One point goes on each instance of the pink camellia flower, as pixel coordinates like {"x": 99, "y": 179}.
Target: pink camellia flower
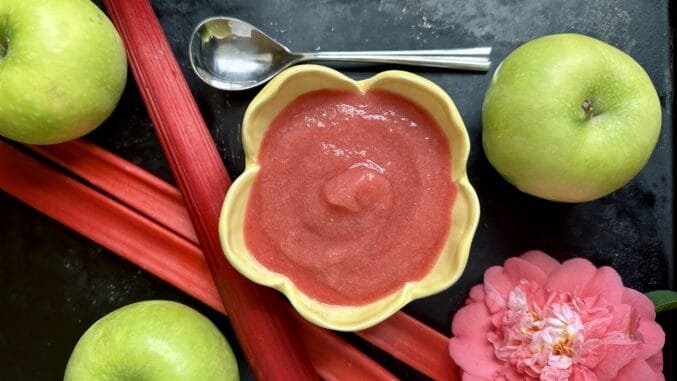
{"x": 537, "y": 319}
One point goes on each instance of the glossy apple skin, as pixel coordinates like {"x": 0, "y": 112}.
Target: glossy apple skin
{"x": 64, "y": 69}
{"x": 536, "y": 134}
{"x": 153, "y": 341}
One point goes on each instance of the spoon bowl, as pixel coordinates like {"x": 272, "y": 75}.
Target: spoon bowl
{"x": 230, "y": 54}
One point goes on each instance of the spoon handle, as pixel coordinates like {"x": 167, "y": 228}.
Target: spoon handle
{"x": 475, "y": 59}
{"x": 483, "y": 52}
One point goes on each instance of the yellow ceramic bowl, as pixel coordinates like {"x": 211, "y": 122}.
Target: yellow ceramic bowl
{"x": 281, "y": 91}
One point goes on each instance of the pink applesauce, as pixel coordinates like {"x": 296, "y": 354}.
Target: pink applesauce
{"x": 353, "y": 197}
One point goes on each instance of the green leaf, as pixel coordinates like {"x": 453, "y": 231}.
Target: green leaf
{"x": 664, "y": 300}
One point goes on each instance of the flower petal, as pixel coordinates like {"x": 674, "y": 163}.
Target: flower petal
{"x": 593, "y": 352}
{"x": 474, "y": 358}
{"x": 641, "y": 302}
{"x": 476, "y": 293}
{"x": 541, "y": 260}
{"x": 636, "y": 370}
{"x": 509, "y": 373}
{"x": 607, "y": 283}
{"x": 572, "y": 276}
{"x": 472, "y": 321}
{"x": 518, "y": 269}
{"x": 497, "y": 286}
{"x": 581, "y": 373}
{"x": 470, "y": 377}
{"x": 654, "y": 338}
{"x": 469, "y": 346}
{"x": 656, "y": 362}
{"x": 619, "y": 354}
{"x": 622, "y": 319}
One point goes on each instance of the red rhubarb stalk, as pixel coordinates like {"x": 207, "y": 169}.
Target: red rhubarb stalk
{"x": 332, "y": 355}
{"x": 414, "y": 343}
{"x": 256, "y": 313}
{"x": 402, "y": 336}
{"x": 111, "y": 224}
{"x": 133, "y": 186}
{"x": 157, "y": 250}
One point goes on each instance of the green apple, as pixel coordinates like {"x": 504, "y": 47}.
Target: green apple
{"x": 569, "y": 118}
{"x": 153, "y": 341}
{"x": 62, "y": 69}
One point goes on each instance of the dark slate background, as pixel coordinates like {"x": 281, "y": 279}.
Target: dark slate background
{"x": 55, "y": 283}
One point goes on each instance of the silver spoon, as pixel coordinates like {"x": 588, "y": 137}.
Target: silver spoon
{"x": 231, "y": 54}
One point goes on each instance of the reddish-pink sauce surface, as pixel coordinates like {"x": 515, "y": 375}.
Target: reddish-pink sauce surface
{"x": 354, "y": 195}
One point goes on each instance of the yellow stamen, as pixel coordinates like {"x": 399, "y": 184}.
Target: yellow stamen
{"x": 562, "y": 348}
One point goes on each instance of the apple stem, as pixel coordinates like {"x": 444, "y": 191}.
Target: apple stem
{"x": 587, "y": 107}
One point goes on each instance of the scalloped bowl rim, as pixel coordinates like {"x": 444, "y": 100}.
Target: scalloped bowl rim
{"x": 465, "y": 209}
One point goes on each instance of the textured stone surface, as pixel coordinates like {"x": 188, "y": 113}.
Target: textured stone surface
{"x": 55, "y": 283}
